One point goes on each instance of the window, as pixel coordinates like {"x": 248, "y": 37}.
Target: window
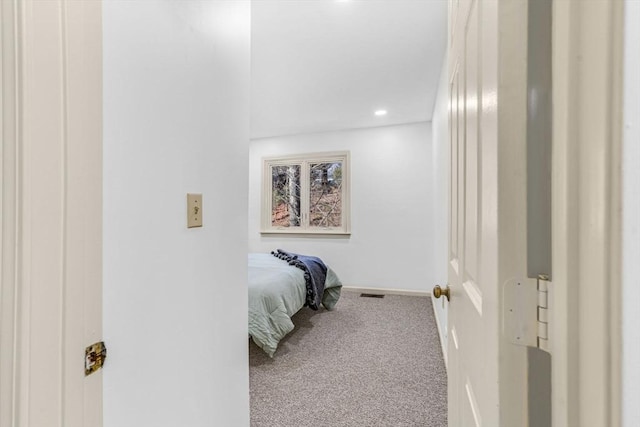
{"x": 306, "y": 193}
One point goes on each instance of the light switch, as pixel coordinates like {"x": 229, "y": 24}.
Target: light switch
{"x": 194, "y": 210}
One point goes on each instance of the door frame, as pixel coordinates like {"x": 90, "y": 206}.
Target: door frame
{"x": 10, "y": 213}
{"x": 587, "y": 145}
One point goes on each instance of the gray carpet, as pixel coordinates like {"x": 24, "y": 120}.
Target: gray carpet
{"x": 370, "y": 362}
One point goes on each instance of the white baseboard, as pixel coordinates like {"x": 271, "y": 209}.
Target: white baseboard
{"x": 443, "y": 343}
{"x": 385, "y": 291}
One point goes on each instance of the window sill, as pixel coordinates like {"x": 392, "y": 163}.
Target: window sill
{"x": 308, "y": 232}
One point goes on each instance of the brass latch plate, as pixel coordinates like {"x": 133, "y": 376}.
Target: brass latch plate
{"x": 94, "y": 357}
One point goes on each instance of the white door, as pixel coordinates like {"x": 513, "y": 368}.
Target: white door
{"x": 487, "y": 385}
{"x": 51, "y": 212}
{"x": 472, "y": 346}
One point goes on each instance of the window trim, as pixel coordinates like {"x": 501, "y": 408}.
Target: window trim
{"x": 304, "y": 160}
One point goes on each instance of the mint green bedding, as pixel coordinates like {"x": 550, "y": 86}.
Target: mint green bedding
{"x": 276, "y": 292}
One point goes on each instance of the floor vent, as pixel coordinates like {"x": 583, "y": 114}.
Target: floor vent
{"x": 372, "y": 295}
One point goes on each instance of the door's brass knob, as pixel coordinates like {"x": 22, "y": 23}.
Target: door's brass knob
{"x": 438, "y": 292}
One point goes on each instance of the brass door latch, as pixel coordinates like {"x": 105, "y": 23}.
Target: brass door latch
{"x": 94, "y": 357}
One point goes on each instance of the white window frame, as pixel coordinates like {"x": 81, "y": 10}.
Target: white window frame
{"x": 304, "y": 160}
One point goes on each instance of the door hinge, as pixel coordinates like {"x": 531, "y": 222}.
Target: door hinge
{"x": 543, "y": 312}
{"x": 94, "y": 357}
{"x": 526, "y": 312}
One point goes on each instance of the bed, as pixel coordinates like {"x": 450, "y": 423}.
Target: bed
{"x": 279, "y": 286}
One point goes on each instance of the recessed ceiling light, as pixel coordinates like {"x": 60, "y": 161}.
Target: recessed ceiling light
{"x": 381, "y": 113}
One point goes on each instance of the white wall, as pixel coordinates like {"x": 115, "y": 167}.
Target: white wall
{"x": 391, "y": 205}
{"x": 440, "y": 179}
{"x": 176, "y": 120}
{"x": 631, "y": 218}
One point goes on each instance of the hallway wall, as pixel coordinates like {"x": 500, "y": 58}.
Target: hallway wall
{"x": 391, "y": 205}
{"x": 176, "y": 120}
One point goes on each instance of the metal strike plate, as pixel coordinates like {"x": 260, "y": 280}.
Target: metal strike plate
{"x": 94, "y": 357}
{"x": 521, "y": 311}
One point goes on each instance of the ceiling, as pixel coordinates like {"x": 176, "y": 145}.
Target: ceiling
{"x": 323, "y": 65}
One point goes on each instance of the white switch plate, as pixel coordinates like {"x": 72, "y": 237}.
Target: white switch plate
{"x": 194, "y": 210}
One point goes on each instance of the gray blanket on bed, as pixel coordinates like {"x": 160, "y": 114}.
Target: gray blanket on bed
{"x": 315, "y": 273}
